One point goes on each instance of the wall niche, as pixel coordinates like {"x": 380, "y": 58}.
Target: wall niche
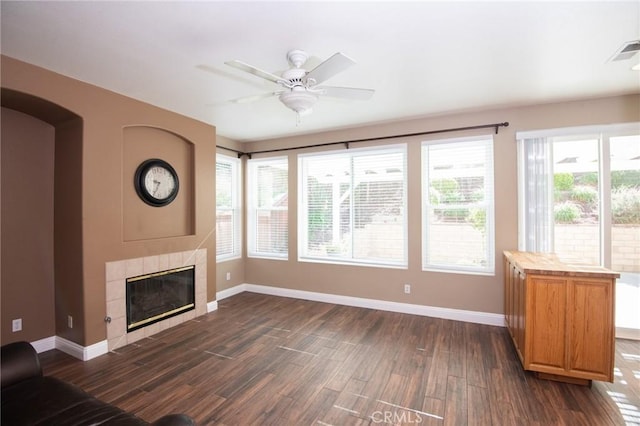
{"x": 145, "y": 222}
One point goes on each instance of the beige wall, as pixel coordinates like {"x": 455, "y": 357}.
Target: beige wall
{"x": 91, "y": 175}
{"x": 449, "y": 290}
{"x": 27, "y": 251}
{"x": 68, "y": 234}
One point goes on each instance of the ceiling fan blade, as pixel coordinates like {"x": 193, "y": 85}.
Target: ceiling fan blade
{"x": 327, "y": 69}
{"x": 347, "y": 92}
{"x": 253, "y": 98}
{"x": 255, "y": 71}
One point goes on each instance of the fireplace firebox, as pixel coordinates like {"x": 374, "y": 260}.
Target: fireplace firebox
{"x": 154, "y": 297}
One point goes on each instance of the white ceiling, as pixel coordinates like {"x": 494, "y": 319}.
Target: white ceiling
{"x": 422, "y": 58}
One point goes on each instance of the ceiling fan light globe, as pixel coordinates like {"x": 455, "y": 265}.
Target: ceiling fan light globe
{"x": 299, "y": 101}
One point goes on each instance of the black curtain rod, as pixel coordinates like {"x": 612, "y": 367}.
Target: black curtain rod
{"x": 240, "y": 153}
{"x": 495, "y": 126}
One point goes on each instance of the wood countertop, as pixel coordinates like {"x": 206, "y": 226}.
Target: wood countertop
{"x": 549, "y": 264}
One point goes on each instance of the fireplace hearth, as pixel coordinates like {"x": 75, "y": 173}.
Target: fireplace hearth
{"x": 157, "y": 296}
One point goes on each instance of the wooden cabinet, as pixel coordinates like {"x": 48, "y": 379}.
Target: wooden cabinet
{"x": 560, "y": 317}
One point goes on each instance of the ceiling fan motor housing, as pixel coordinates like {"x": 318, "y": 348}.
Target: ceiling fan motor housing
{"x": 294, "y": 77}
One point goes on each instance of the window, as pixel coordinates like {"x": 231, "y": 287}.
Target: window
{"x": 228, "y": 208}
{"x": 576, "y": 184}
{"x": 267, "y": 210}
{"x": 457, "y": 214}
{"x": 579, "y": 197}
{"x": 353, "y": 206}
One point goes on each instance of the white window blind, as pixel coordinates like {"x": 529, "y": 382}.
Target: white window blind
{"x": 458, "y": 207}
{"x": 228, "y": 208}
{"x": 535, "y": 196}
{"x": 267, "y": 211}
{"x": 353, "y": 206}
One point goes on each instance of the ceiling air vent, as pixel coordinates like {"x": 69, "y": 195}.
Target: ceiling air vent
{"x": 626, "y": 51}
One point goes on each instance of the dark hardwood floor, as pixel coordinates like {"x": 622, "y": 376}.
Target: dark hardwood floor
{"x": 265, "y": 360}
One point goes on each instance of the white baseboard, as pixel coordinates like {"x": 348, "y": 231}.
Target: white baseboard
{"x": 223, "y": 294}
{"x": 212, "y": 306}
{"x": 46, "y": 344}
{"x": 83, "y": 353}
{"x": 627, "y": 333}
{"x": 383, "y": 305}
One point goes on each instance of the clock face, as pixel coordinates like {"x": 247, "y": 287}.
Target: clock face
{"x": 156, "y": 182}
{"x": 159, "y": 182}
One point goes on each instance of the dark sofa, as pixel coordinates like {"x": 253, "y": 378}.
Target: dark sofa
{"x": 29, "y": 398}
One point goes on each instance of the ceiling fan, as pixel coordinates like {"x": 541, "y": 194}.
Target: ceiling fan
{"x": 301, "y": 88}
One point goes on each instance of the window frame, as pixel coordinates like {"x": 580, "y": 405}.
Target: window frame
{"x": 252, "y": 208}
{"x": 235, "y": 208}
{"x": 487, "y": 142}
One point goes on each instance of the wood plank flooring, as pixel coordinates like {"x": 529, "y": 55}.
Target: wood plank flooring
{"x": 266, "y": 360}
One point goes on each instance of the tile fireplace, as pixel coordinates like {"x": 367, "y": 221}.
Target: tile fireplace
{"x": 121, "y": 330}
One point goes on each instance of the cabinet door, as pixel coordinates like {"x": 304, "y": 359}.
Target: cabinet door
{"x": 590, "y": 329}
{"x": 545, "y": 327}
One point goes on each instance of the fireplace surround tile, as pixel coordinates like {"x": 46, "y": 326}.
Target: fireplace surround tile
{"x": 134, "y": 267}
{"x": 176, "y": 260}
{"x": 163, "y": 262}
{"x": 115, "y": 290}
{"x": 114, "y": 331}
{"x": 116, "y": 308}
{"x": 116, "y": 270}
{"x": 150, "y": 264}
{"x": 116, "y": 274}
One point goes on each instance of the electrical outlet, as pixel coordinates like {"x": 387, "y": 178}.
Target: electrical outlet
{"x": 16, "y": 325}
{"x": 407, "y": 288}
{"x": 228, "y": 276}
{"x": 69, "y": 321}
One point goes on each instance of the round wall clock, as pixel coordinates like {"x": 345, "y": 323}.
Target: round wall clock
{"x": 156, "y": 182}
